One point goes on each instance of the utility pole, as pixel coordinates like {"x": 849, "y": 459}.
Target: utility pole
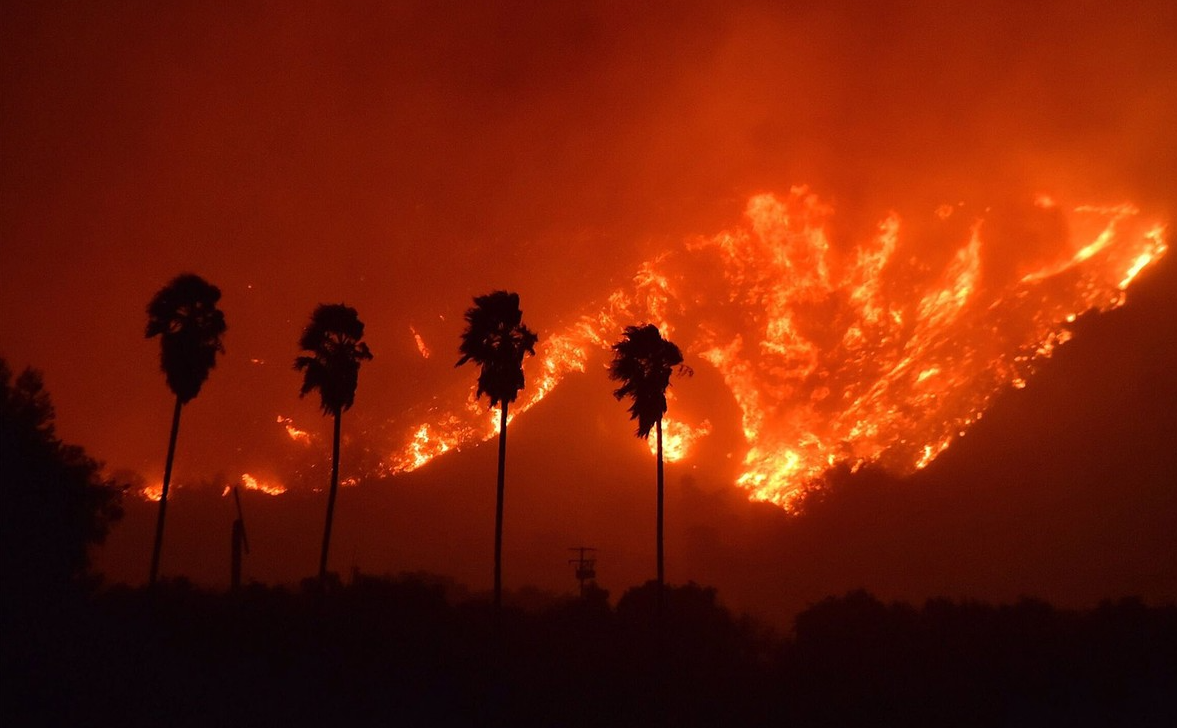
{"x": 239, "y": 542}
{"x": 586, "y": 565}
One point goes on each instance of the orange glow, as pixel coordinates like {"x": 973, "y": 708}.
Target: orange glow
{"x": 421, "y": 348}
{"x": 1046, "y": 202}
{"x": 839, "y": 353}
{"x": 430, "y": 440}
{"x": 153, "y": 492}
{"x": 678, "y": 438}
{"x": 267, "y": 487}
{"x": 295, "y": 434}
{"x": 1156, "y": 235}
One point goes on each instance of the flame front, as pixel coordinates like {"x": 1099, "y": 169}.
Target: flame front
{"x": 269, "y": 487}
{"x": 293, "y": 432}
{"x": 422, "y": 349}
{"x": 882, "y": 351}
{"x": 678, "y": 438}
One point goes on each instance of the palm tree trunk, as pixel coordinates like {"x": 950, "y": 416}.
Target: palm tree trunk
{"x": 330, "y": 498}
{"x": 661, "y": 580}
{"x": 235, "y": 547}
{"x": 163, "y": 496}
{"x": 499, "y": 507}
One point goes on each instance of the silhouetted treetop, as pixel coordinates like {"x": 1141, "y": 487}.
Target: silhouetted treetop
{"x": 643, "y": 362}
{"x": 332, "y": 367}
{"x": 496, "y": 339}
{"x": 184, "y": 314}
{"x": 56, "y": 501}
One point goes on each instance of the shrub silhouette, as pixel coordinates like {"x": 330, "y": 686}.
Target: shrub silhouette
{"x": 56, "y": 502}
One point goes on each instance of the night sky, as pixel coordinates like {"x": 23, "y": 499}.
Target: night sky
{"x": 404, "y": 157}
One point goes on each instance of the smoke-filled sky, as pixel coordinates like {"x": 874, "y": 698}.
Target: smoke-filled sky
{"x": 404, "y": 157}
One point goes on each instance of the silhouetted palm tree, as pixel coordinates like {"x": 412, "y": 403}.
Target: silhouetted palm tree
{"x": 184, "y": 315}
{"x": 496, "y": 340}
{"x": 332, "y": 366}
{"x": 643, "y": 362}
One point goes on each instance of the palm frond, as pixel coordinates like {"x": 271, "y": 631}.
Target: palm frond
{"x": 331, "y": 365}
{"x": 185, "y": 316}
{"x": 642, "y": 363}
{"x": 497, "y": 340}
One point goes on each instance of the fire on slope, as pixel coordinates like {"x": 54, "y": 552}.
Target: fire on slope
{"x": 154, "y": 491}
{"x": 880, "y": 351}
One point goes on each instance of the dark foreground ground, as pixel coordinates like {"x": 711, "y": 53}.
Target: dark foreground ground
{"x": 397, "y": 652}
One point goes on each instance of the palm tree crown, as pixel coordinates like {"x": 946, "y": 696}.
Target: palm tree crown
{"x": 643, "y": 362}
{"x": 332, "y": 367}
{"x": 496, "y": 339}
{"x": 184, "y": 314}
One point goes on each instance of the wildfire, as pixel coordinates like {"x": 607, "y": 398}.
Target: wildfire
{"x": 1142, "y": 261}
{"x": 154, "y": 491}
{"x": 295, "y": 434}
{"x": 678, "y": 438}
{"x": 430, "y": 440}
{"x": 269, "y": 488}
{"x": 421, "y": 348}
{"x": 885, "y": 350}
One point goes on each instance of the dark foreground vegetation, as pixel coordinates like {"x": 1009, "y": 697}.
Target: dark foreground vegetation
{"x": 383, "y": 651}
{"x": 411, "y": 651}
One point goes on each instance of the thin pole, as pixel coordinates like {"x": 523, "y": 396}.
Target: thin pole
{"x": 235, "y": 555}
{"x": 661, "y": 580}
{"x": 163, "y": 496}
{"x": 330, "y": 498}
{"x": 499, "y": 507}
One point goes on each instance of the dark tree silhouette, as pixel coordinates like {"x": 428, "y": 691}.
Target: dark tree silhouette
{"x": 496, "y": 340}
{"x": 184, "y": 315}
{"x": 643, "y": 362}
{"x": 56, "y": 502}
{"x": 332, "y": 366}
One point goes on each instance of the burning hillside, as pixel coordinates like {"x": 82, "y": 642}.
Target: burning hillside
{"x": 839, "y": 351}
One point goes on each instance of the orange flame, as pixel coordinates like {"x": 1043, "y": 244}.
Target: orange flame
{"x": 678, "y": 438}
{"x": 891, "y": 369}
{"x": 295, "y": 434}
{"x": 269, "y": 488}
{"x": 421, "y": 348}
{"x": 837, "y": 354}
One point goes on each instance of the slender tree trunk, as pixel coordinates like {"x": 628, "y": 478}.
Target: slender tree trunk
{"x": 661, "y": 574}
{"x": 235, "y": 548}
{"x": 499, "y": 507}
{"x": 163, "y": 496}
{"x": 330, "y": 498}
